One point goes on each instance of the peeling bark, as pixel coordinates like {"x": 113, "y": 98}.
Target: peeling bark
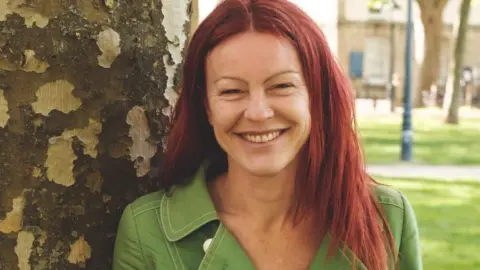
{"x": 109, "y": 43}
{"x": 80, "y": 252}
{"x": 70, "y": 71}
{"x": 3, "y": 110}
{"x": 56, "y": 96}
{"x": 13, "y": 221}
{"x": 141, "y": 150}
{"x": 23, "y": 249}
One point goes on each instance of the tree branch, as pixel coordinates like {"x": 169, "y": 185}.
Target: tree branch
{"x": 421, "y": 4}
{"x": 441, "y": 4}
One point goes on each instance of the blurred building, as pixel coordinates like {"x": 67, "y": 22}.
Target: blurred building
{"x": 364, "y": 44}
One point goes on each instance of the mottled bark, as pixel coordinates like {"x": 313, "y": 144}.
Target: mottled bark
{"x": 454, "y": 91}
{"x": 432, "y": 19}
{"x": 84, "y": 87}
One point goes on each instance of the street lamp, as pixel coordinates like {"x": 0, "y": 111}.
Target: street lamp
{"x": 407, "y": 131}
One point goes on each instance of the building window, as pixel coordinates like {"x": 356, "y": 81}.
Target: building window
{"x": 377, "y": 61}
{"x": 356, "y": 65}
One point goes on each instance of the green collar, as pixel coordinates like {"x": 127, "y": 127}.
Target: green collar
{"x": 187, "y": 208}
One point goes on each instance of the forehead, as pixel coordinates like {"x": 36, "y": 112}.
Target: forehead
{"x": 252, "y": 53}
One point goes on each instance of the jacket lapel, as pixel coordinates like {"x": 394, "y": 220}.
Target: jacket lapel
{"x": 339, "y": 261}
{"x": 188, "y": 209}
{"x": 225, "y": 253}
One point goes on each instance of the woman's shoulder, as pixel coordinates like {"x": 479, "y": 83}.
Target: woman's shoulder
{"x": 395, "y": 204}
{"x": 141, "y": 215}
{"x": 139, "y": 234}
{"x": 389, "y": 197}
{"x": 147, "y": 201}
{"x": 399, "y": 213}
{"x": 403, "y": 225}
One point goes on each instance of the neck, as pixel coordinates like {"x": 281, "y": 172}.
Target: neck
{"x": 266, "y": 201}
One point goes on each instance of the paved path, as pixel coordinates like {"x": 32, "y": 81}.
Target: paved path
{"x": 426, "y": 171}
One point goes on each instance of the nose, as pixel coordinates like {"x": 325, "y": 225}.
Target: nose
{"x": 258, "y": 108}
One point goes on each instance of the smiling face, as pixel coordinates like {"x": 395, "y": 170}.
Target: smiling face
{"x": 258, "y": 104}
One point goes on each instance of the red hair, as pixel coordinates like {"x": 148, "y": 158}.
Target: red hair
{"x": 332, "y": 182}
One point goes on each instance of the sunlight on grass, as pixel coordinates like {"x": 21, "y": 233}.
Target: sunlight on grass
{"x": 448, "y": 215}
{"x": 433, "y": 246}
{"x": 434, "y": 141}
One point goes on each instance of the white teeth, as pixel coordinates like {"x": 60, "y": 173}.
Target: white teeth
{"x": 261, "y": 138}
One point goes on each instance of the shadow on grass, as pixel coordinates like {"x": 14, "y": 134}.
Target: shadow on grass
{"x": 448, "y": 215}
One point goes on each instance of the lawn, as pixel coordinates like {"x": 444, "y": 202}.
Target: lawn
{"x": 434, "y": 141}
{"x": 448, "y": 214}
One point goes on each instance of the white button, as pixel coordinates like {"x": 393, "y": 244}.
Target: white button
{"x": 206, "y": 244}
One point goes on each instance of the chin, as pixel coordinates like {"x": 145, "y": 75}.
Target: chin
{"x": 265, "y": 169}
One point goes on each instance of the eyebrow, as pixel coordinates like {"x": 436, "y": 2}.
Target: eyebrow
{"x": 266, "y": 80}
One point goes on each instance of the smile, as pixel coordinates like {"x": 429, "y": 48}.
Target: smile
{"x": 262, "y": 137}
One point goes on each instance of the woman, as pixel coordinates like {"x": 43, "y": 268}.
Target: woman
{"x": 263, "y": 168}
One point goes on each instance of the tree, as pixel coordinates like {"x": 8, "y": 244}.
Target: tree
{"x": 454, "y": 90}
{"x": 432, "y": 19}
{"x": 84, "y": 95}
{"x": 431, "y": 13}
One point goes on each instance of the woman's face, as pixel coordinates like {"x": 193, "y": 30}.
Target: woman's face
{"x": 258, "y": 104}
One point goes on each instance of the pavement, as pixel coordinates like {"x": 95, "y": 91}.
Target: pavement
{"x": 408, "y": 170}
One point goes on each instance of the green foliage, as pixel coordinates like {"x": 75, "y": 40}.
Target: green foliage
{"x": 376, "y": 6}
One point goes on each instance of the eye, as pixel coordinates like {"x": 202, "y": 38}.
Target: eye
{"x": 230, "y": 91}
{"x": 283, "y": 85}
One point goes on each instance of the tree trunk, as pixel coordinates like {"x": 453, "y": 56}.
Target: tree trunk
{"x": 194, "y": 16}
{"x": 454, "y": 91}
{"x": 469, "y": 89}
{"x": 432, "y": 19}
{"x": 82, "y": 88}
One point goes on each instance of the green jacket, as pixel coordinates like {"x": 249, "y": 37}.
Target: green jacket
{"x": 168, "y": 231}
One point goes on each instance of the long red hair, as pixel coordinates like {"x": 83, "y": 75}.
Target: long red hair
{"x": 332, "y": 183}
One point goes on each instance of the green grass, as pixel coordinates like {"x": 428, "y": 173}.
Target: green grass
{"x": 448, "y": 215}
{"x": 434, "y": 142}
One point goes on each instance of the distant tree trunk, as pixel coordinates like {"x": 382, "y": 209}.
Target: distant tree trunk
{"x": 432, "y": 19}
{"x": 469, "y": 88}
{"x": 195, "y": 16}
{"x": 84, "y": 95}
{"x": 454, "y": 91}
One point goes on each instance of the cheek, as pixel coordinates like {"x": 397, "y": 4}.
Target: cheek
{"x": 299, "y": 108}
{"x": 223, "y": 116}
{"x": 303, "y": 105}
